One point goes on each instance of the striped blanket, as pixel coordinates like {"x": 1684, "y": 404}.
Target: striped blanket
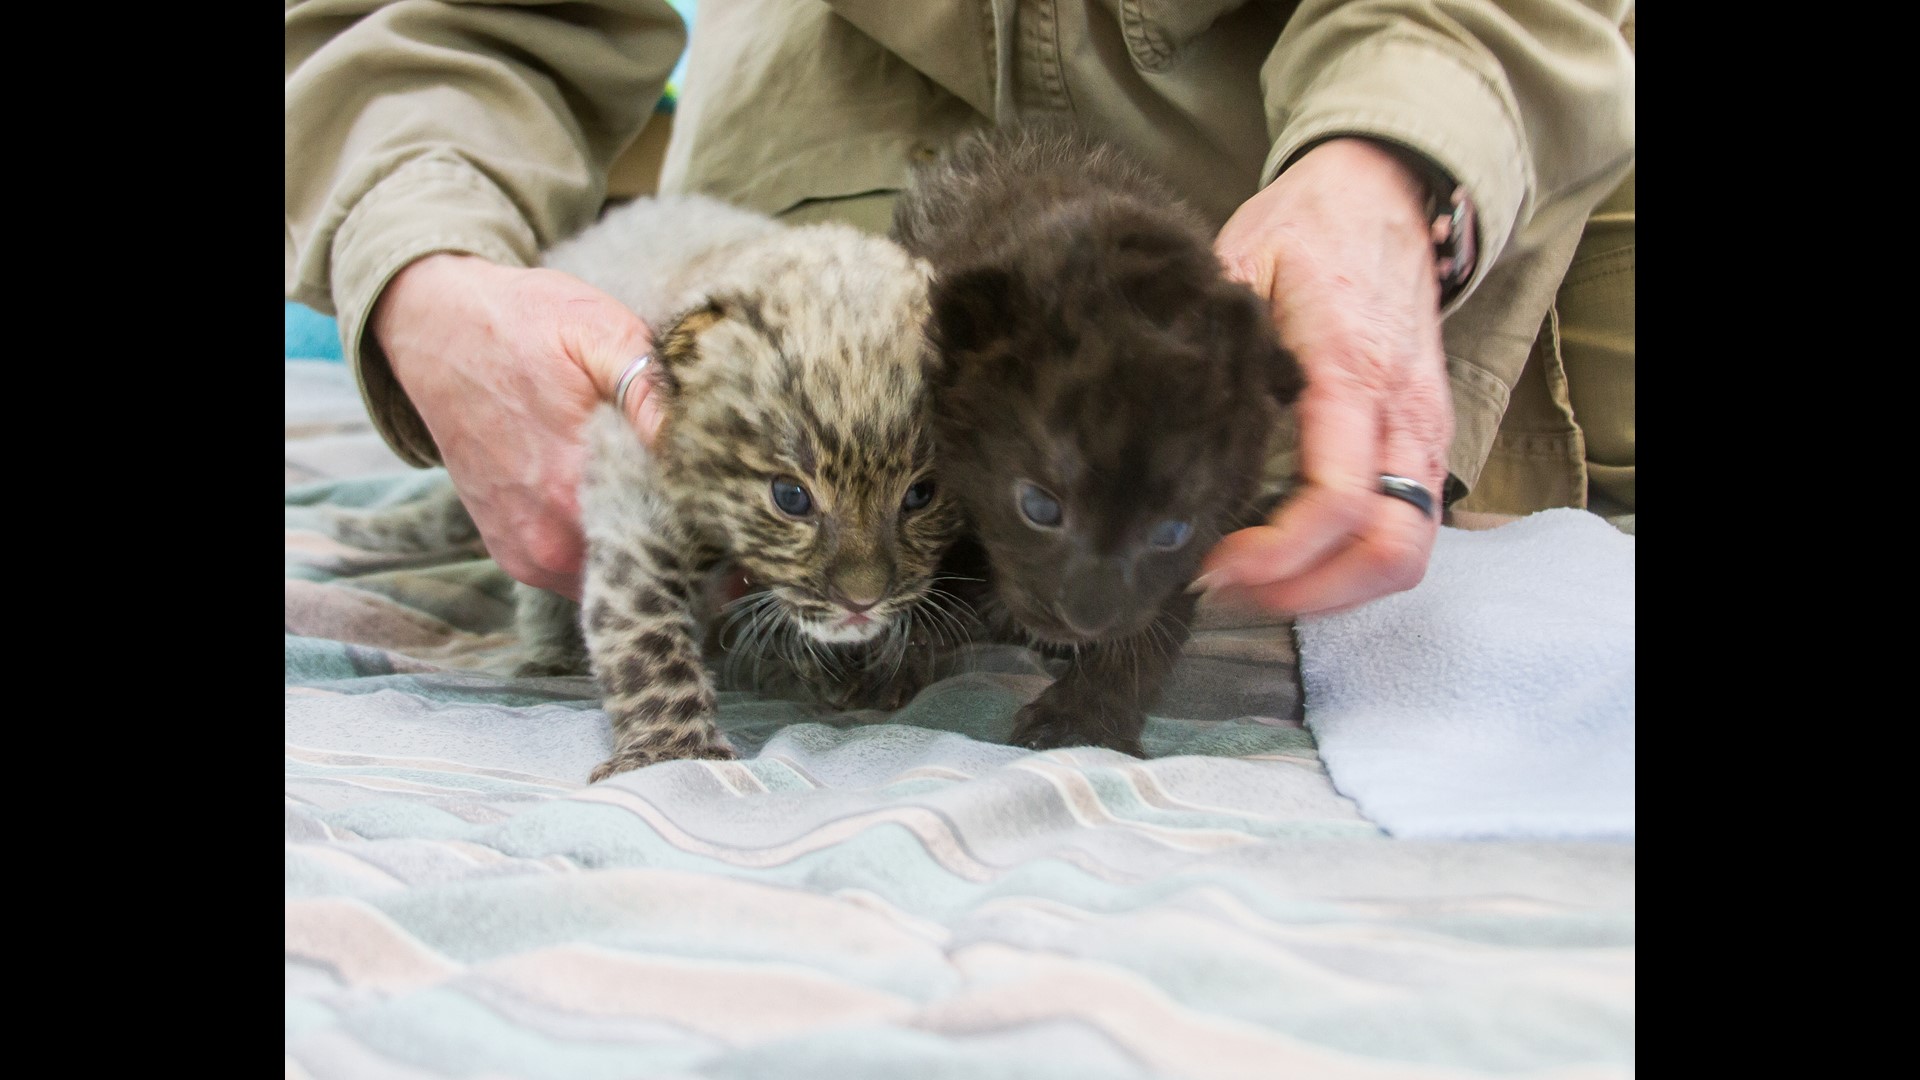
{"x": 867, "y": 895}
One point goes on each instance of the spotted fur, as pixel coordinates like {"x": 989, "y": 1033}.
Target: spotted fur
{"x": 435, "y": 522}
{"x": 1092, "y": 349}
{"x": 784, "y": 354}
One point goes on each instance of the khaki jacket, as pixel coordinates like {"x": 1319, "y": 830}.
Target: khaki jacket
{"x": 415, "y": 127}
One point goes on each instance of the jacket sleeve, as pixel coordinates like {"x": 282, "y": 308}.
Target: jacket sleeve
{"x": 421, "y": 126}
{"x": 1523, "y": 101}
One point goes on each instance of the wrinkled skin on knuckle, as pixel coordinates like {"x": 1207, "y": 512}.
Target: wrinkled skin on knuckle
{"x": 1426, "y": 417}
{"x": 543, "y": 293}
{"x": 1343, "y": 374}
{"x": 1249, "y": 268}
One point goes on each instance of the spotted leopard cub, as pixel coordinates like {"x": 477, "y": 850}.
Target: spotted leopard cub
{"x": 797, "y": 449}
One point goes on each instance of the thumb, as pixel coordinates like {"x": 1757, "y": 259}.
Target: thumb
{"x": 644, "y": 411}
{"x": 623, "y": 352}
{"x": 639, "y": 375}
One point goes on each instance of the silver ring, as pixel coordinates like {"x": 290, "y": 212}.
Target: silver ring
{"x": 638, "y": 365}
{"x": 1407, "y": 491}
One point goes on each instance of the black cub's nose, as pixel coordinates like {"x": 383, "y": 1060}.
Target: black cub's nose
{"x": 1091, "y": 599}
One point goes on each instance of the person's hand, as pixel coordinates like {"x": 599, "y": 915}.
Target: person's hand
{"x": 505, "y": 365}
{"x": 1339, "y": 245}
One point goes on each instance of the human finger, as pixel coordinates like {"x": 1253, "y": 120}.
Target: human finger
{"x": 1389, "y": 550}
{"x": 1386, "y": 549}
{"x": 642, "y": 403}
{"x": 615, "y": 347}
{"x": 1339, "y": 428}
{"x": 1390, "y": 557}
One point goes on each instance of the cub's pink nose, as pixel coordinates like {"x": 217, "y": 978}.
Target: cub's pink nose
{"x": 854, "y": 605}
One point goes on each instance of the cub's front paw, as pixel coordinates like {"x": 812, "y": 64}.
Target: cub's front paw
{"x": 628, "y": 758}
{"x": 1046, "y": 725}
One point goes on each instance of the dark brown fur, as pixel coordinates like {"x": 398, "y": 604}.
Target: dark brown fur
{"x": 1092, "y": 346}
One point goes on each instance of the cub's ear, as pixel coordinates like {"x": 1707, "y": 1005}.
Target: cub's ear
{"x": 678, "y": 349}
{"x": 1242, "y": 329}
{"x": 971, "y": 310}
{"x": 1286, "y": 379}
{"x": 1159, "y": 268}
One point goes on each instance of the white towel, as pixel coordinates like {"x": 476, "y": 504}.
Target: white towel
{"x": 1495, "y": 698}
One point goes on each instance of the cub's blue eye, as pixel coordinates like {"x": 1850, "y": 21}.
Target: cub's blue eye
{"x": 1170, "y": 534}
{"x": 792, "y": 498}
{"x": 1039, "y": 507}
{"x": 918, "y": 496}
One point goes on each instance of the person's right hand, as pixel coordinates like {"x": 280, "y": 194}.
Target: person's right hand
{"x": 1340, "y": 247}
{"x": 505, "y": 365}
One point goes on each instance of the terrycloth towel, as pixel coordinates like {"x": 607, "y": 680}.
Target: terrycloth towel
{"x": 1494, "y": 699}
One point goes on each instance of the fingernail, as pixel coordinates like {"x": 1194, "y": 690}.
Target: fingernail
{"x": 1205, "y": 581}
{"x": 1235, "y": 604}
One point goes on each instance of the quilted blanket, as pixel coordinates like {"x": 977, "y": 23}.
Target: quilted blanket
{"x": 866, "y": 894}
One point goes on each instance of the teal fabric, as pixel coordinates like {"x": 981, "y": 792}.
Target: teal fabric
{"x": 872, "y": 895}
{"x": 687, "y": 10}
{"x": 311, "y": 335}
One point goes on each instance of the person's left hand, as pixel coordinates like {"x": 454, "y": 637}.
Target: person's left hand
{"x": 1340, "y": 247}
